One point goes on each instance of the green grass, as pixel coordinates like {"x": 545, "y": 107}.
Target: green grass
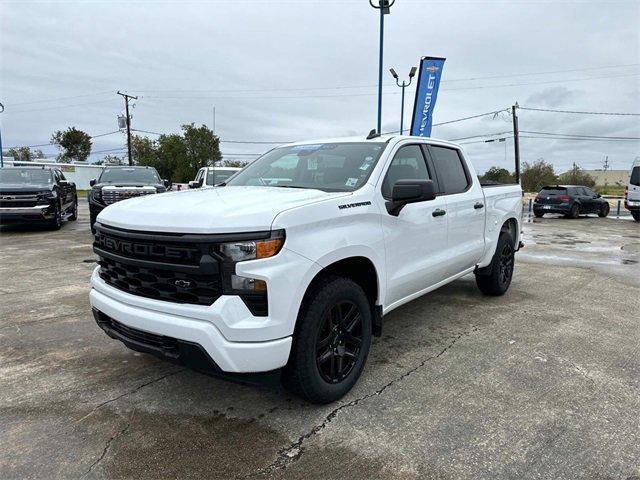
{"x": 615, "y": 190}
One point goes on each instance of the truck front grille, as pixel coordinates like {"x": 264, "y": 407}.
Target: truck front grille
{"x": 17, "y": 200}
{"x": 158, "y": 266}
{"x": 110, "y": 196}
{"x": 171, "y": 286}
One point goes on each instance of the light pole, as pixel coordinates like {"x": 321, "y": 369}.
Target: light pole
{"x": 383, "y": 6}
{"x": 1, "y": 155}
{"x": 403, "y": 85}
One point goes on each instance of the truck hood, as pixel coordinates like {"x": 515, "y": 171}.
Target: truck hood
{"x": 210, "y": 210}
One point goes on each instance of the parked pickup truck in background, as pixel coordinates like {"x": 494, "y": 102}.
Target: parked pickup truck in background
{"x": 212, "y": 176}
{"x": 36, "y": 195}
{"x": 120, "y": 183}
{"x": 294, "y": 262}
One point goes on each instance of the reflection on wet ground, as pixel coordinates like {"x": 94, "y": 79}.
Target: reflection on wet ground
{"x": 608, "y": 245}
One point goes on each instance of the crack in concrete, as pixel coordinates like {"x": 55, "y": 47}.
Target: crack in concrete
{"x": 139, "y": 387}
{"x": 295, "y": 450}
{"x": 106, "y": 448}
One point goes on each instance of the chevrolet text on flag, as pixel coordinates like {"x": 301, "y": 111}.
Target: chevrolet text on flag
{"x": 426, "y": 95}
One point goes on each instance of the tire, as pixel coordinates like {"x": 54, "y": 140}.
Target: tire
{"x": 495, "y": 279}
{"x": 74, "y": 212}
{"x": 538, "y": 214}
{"x": 56, "y": 223}
{"x": 636, "y": 216}
{"x": 604, "y": 210}
{"x": 331, "y": 342}
{"x": 574, "y": 212}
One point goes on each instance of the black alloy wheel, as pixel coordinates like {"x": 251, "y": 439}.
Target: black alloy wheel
{"x": 339, "y": 341}
{"x": 604, "y": 210}
{"x": 506, "y": 264}
{"x": 56, "y": 223}
{"x": 575, "y": 211}
{"x": 74, "y": 211}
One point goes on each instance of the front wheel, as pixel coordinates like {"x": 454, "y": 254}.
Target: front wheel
{"x": 636, "y": 216}
{"x": 495, "y": 279}
{"x": 604, "y": 210}
{"x": 74, "y": 211}
{"x": 56, "y": 222}
{"x": 331, "y": 342}
{"x": 538, "y": 214}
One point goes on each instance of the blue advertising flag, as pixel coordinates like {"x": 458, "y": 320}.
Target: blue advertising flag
{"x": 426, "y": 95}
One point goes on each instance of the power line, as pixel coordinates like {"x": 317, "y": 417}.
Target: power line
{"x": 47, "y": 144}
{"x": 478, "y": 136}
{"x": 577, "y": 139}
{"x": 578, "y": 112}
{"x": 55, "y": 99}
{"x": 248, "y": 142}
{"x": 582, "y": 136}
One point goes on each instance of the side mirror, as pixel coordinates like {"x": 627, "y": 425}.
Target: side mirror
{"x": 410, "y": 191}
{"x": 167, "y": 183}
{"x": 92, "y": 182}
{"x": 194, "y": 184}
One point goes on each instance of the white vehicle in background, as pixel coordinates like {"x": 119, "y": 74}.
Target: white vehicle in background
{"x": 212, "y": 176}
{"x": 632, "y": 191}
{"x": 294, "y": 261}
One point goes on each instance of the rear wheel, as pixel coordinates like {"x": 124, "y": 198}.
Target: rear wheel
{"x": 538, "y": 214}
{"x": 636, "y": 216}
{"x": 604, "y": 210}
{"x": 331, "y": 343}
{"x": 574, "y": 212}
{"x": 496, "y": 278}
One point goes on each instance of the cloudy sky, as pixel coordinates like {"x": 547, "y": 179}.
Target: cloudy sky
{"x": 281, "y": 70}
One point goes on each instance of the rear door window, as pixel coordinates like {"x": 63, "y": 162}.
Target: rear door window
{"x": 452, "y": 175}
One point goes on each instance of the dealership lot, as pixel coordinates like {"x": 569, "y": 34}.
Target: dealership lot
{"x": 543, "y": 382}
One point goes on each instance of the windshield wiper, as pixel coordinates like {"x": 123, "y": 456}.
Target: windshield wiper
{"x": 295, "y": 186}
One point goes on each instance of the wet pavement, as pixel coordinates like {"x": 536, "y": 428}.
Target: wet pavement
{"x": 543, "y": 382}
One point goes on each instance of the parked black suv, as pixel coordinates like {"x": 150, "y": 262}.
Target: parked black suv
{"x": 571, "y": 200}
{"x": 36, "y": 194}
{"x": 120, "y": 183}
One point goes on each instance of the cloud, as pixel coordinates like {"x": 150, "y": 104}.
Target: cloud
{"x": 551, "y": 97}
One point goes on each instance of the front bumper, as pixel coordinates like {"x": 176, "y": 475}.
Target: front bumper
{"x": 19, "y": 214}
{"x": 632, "y": 205}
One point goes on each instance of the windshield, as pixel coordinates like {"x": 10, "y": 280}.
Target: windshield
{"x": 332, "y": 167}
{"x": 25, "y": 176}
{"x": 129, "y": 175}
{"x": 217, "y": 176}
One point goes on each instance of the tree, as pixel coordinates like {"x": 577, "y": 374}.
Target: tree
{"x": 23, "y": 154}
{"x": 577, "y": 176}
{"x": 74, "y": 144}
{"x": 499, "y": 175}
{"x": 536, "y": 175}
{"x": 234, "y": 163}
{"x": 178, "y": 156}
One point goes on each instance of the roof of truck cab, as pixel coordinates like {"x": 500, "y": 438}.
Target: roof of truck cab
{"x": 385, "y": 138}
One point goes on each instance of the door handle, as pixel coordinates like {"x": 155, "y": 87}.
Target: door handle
{"x": 438, "y": 212}
{"x": 478, "y": 205}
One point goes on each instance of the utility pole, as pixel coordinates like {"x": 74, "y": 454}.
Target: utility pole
{"x": 516, "y": 140}
{"x": 126, "y": 107}
{"x": 605, "y": 166}
{"x": 213, "y": 129}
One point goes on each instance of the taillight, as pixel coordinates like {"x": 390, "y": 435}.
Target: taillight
{"x": 564, "y": 198}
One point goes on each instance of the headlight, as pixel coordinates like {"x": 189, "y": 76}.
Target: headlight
{"x": 252, "y": 249}
{"x": 96, "y": 193}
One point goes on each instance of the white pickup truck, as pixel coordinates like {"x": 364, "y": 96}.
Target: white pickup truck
{"x": 293, "y": 263}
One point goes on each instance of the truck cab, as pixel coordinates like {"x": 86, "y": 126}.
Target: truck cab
{"x": 212, "y": 176}
{"x": 293, "y": 262}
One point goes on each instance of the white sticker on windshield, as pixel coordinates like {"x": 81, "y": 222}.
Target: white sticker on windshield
{"x": 351, "y": 182}
{"x": 312, "y": 164}
{"x": 367, "y": 163}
